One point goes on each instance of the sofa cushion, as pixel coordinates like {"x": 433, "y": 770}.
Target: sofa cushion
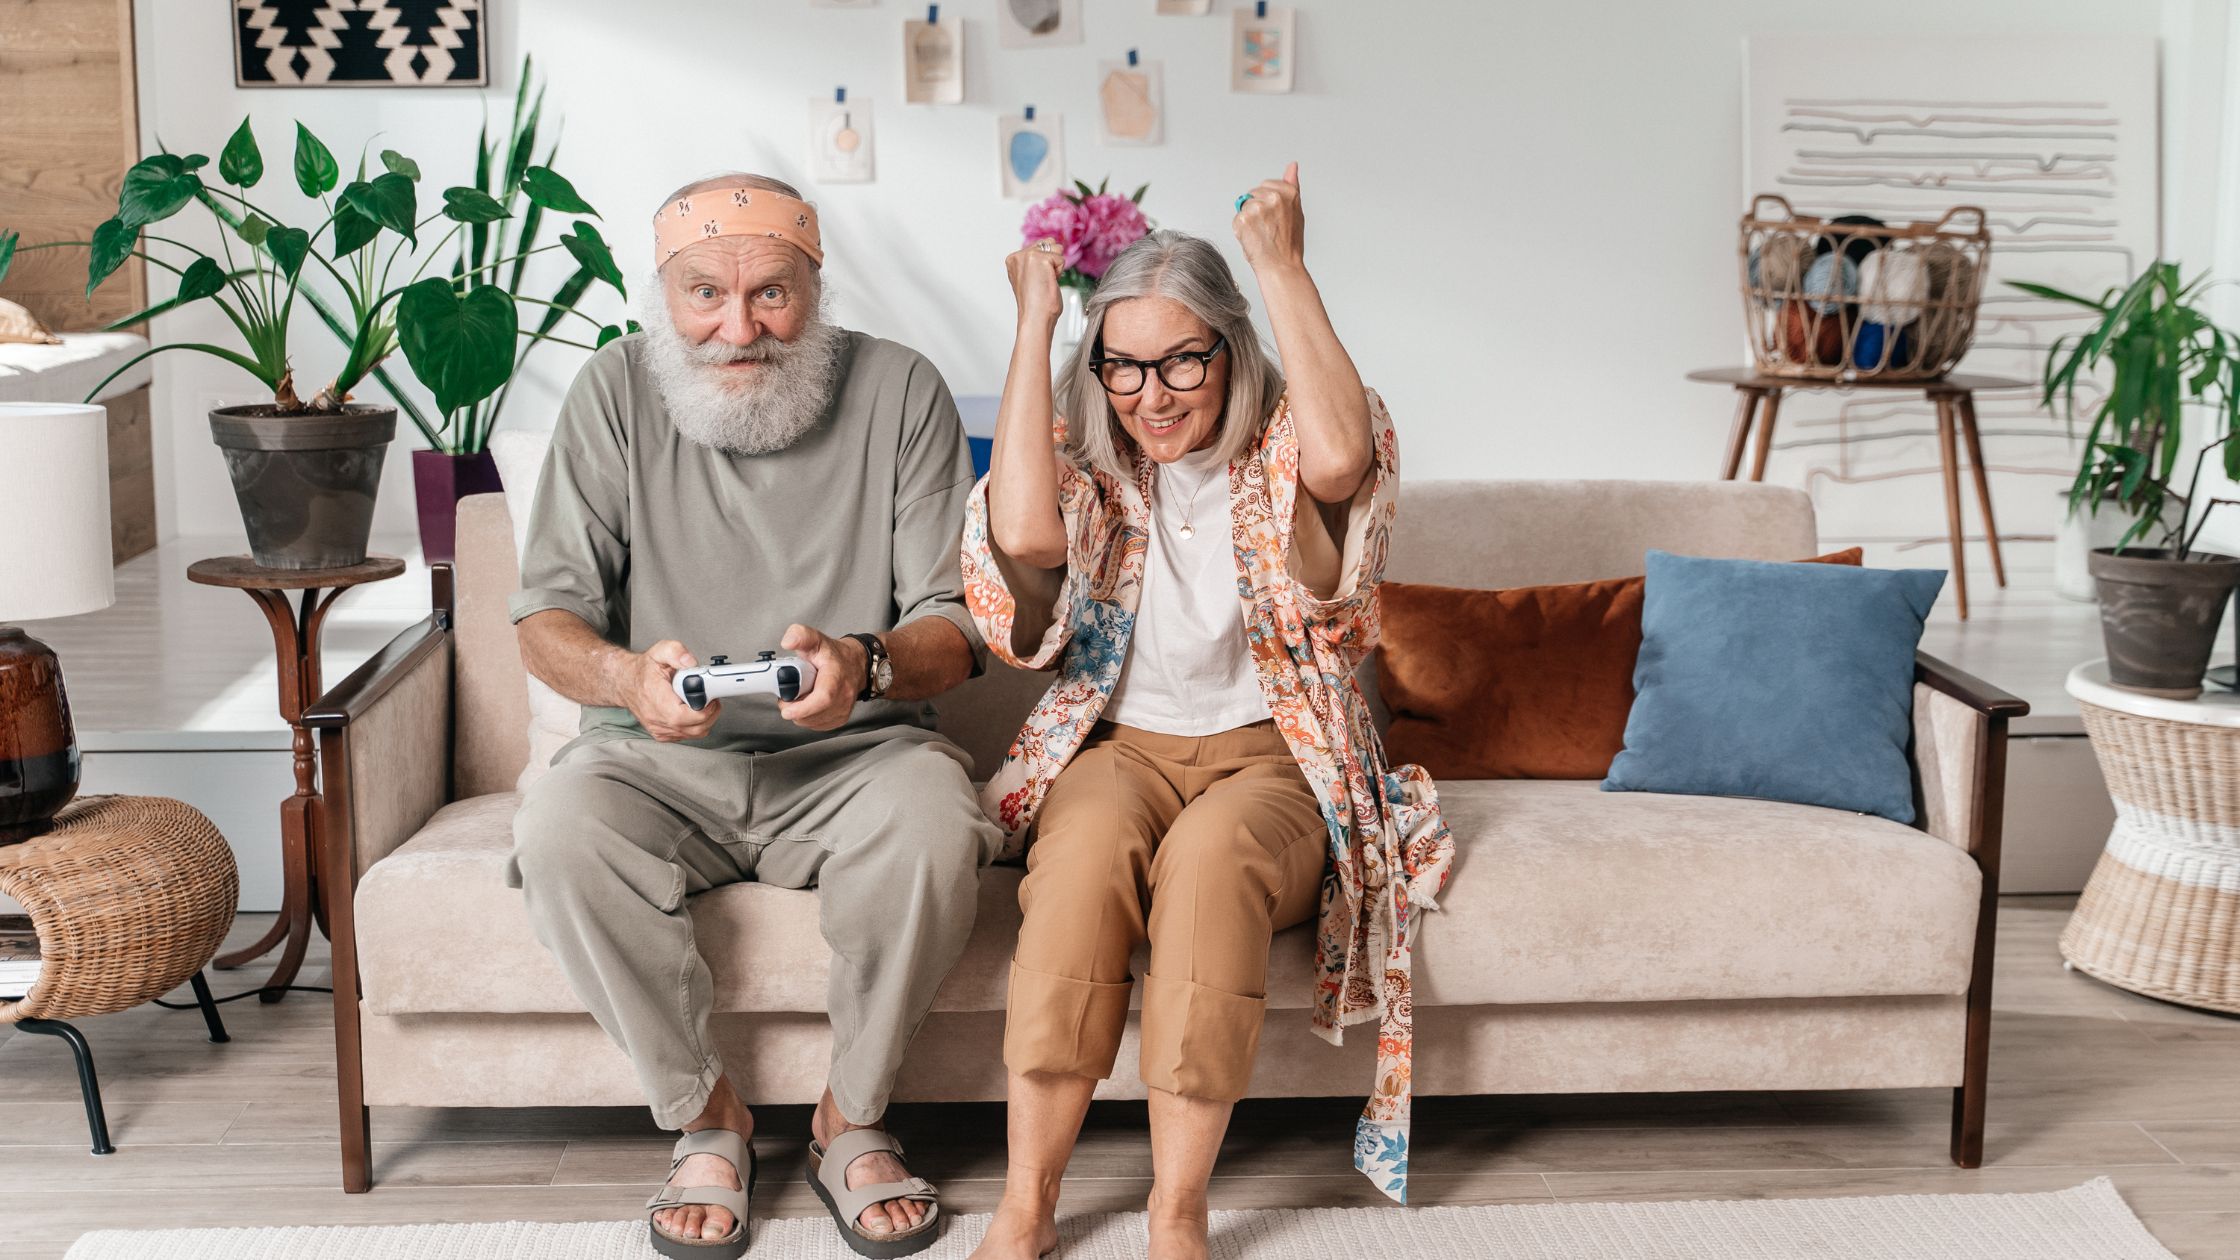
{"x": 1532, "y": 682}
{"x": 1562, "y": 894}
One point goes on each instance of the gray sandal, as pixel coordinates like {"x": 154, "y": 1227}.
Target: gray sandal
{"x": 828, "y": 1176}
{"x": 739, "y": 1153}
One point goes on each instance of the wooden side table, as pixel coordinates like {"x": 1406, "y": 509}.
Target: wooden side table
{"x": 130, "y": 896}
{"x": 295, "y": 637}
{"x": 1758, "y": 401}
{"x": 2161, "y": 913}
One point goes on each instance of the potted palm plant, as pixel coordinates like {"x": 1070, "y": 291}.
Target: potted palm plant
{"x": 305, "y": 472}
{"x": 2160, "y": 603}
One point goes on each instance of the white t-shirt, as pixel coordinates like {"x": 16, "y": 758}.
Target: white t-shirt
{"x": 1188, "y": 671}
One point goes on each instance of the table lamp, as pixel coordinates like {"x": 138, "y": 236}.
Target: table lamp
{"x": 54, "y": 562}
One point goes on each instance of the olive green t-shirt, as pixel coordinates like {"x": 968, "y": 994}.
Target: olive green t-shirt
{"x": 647, "y": 535}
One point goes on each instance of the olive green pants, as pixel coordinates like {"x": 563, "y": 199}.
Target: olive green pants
{"x": 882, "y": 823}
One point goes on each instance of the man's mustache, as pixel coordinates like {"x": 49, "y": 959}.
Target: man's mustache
{"x": 762, "y": 349}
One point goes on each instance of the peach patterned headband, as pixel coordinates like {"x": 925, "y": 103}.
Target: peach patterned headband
{"x": 735, "y": 212}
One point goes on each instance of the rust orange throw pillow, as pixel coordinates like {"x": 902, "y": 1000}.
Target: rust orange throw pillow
{"x": 1533, "y": 682}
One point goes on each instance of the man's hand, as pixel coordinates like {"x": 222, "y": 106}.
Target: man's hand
{"x": 842, "y": 665}
{"x": 648, "y": 690}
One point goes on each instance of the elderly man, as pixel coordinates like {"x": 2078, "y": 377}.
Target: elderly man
{"x": 743, "y": 476}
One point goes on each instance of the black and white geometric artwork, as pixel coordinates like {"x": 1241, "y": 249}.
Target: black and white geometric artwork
{"x": 360, "y": 43}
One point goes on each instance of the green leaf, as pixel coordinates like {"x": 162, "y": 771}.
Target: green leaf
{"x": 202, "y": 278}
{"x": 607, "y": 334}
{"x": 388, "y": 200}
{"x": 590, "y": 251}
{"x": 633, "y": 325}
{"x": 399, "y": 164}
{"x": 352, "y": 230}
{"x": 288, "y": 247}
{"x": 113, "y": 242}
{"x": 7, "y": 251}
{"x": 241, "y": 163}
{"x": 466, "y": 205}
{"x": 316, "y": 171}
{"x": 1136, "y": 197}
{"x": 460, "y": 348}
{"x": 156, "y": 188}
{"x": 554, "y": 192}
{"x": 253, "y": 230}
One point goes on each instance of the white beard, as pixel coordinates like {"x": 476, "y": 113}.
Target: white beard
{"x": 756, "y": 413}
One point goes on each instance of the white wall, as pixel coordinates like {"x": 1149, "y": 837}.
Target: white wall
{"x": 1521, "y": 214}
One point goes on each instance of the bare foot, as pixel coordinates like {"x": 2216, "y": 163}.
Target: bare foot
{"x": 890, "y": 1216}
{"x": 1020, "y": 1230}
{"x": 1177, "y": 1225}
{"x": 724, "y": 1111}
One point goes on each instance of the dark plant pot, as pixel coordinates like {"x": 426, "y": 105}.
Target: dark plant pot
{"x": 2159, "y": 615}
{"x": 306, "y": 484}
{"x": 38, "y": 749}
{"x": 439, "y": 481}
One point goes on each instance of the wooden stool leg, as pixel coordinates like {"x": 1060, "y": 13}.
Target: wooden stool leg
{"x": 1948, "y": 454}
{"x": 1765, "y": 435}
{"x": 1745, "y": 407}
{"x": 1966, "y": 401}
{"x": 97, "y": 1120}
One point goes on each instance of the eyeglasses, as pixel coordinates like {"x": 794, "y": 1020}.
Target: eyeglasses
{"x": 1183, "y": 370}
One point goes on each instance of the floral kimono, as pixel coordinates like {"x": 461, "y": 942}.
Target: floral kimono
{"x": 1389, "y": 849}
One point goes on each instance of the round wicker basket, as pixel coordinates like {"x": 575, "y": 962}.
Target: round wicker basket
{"x": 130, "y": 895}
{"x": 1852, "y": 299}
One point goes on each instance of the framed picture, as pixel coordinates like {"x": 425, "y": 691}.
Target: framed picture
{"x": 933, "y": 62}
{"x": 360, "y": 43}
{"x": 1183, "y": 8}
{"x": 840, "y": 140}
{"x": 1131, "y": 102}
{"x": 1038, "y": 23}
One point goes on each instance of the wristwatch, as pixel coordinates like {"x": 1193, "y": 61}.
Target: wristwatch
{"x": 878, "y": 667}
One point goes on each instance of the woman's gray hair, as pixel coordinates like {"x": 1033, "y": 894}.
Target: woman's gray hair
{"x": 1191, "y": 271}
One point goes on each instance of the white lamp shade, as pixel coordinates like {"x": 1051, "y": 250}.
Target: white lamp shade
{"x": 54, "y": 511}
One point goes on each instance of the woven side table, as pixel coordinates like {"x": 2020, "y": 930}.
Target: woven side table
{"x": 131, "y": 896}
{"x": 2161, "y": 914}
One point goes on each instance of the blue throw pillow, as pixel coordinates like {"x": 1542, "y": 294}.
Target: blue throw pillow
{"x": 1787, "y": 682}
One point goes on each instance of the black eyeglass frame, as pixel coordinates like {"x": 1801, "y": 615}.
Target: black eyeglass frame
{"x": 1151, "y": 367}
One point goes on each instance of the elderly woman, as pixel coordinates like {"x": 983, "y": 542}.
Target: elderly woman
{"x": 1198, "y": 557}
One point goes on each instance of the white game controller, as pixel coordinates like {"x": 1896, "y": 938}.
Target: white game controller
{"x": 786, "y": 677}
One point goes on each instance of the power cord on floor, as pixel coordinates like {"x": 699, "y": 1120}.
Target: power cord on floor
{"x": 235, "y": 997}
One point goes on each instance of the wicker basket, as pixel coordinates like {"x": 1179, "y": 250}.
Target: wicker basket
{"x": 1834, "y": 300}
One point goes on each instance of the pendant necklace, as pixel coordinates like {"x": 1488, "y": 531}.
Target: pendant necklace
{"x": 1188, "y": 529}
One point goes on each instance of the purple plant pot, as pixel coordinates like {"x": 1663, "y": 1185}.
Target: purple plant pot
{"x": 439, "y": 481}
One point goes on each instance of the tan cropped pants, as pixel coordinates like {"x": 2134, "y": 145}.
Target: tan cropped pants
{"x": 1205, "y": 846}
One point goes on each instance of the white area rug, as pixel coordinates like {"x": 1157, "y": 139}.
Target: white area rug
{"x": 2090, "y": 1221}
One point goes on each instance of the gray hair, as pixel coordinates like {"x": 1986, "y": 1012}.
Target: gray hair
{"x": 1189, "y": 270}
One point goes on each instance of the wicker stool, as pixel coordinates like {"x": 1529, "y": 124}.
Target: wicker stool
{"x": 2161, "y": 914}
{"x": 131, "y": 896}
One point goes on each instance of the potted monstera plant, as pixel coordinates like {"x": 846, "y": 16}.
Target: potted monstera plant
{"x": 305, "y": 471}
{"x": 2161, "y": 595}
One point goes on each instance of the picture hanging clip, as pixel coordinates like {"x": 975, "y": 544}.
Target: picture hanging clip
{"x": 1131, "y": 56}
{"x": 933, "y": 15}
{"x": 1030, "y": 113}
{"x": 839, "y": 96}
{"x": 1260, "y": 8}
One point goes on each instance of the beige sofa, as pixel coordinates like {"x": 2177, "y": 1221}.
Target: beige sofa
{"x": 1589, "y": 941}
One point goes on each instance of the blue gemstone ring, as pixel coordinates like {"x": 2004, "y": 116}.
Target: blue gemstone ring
{"x": 1241, "y": 200}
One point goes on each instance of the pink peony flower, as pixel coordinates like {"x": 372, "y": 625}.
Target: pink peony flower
{"x": 1094, "y": 229}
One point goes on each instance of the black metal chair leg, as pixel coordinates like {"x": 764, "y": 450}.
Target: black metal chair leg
{"x": 209, "y": 1009}
{"x": 96, "y": 1120}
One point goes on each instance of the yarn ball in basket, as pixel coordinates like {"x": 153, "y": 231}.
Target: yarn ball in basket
{"x": 1777, "y": 267}
{"x": 1809, "y": 336}
{"x": 1893, "y": 285}
{"x": 1855, "y": 248}
{"x": 1948, "y": 323}
{"x": 1832, "y": 277}
{"x": 1868, "y": 344}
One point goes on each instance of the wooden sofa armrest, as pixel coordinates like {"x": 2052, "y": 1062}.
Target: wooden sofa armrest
{"x": 385, "y": 749}
{"x": 1959, "y": 756}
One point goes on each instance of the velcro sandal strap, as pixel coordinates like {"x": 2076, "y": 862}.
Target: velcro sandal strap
{"x": 721, "y": 1143}
{"x": 853, "y": 1145}
{"x": 733, "y": 1201}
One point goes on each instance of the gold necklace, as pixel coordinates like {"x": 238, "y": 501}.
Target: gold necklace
{"x": 1188, "y": 529}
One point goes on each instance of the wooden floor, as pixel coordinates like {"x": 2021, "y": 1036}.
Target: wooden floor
{"x": 2086, "y": 1081}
